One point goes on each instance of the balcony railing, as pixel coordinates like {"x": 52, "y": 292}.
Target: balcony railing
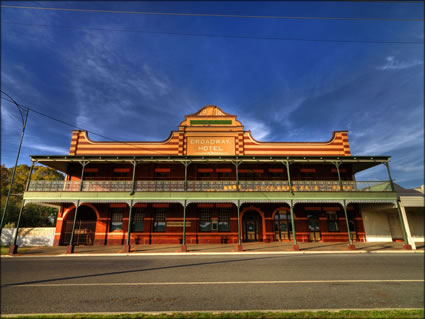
{"x": 210, "y": 186}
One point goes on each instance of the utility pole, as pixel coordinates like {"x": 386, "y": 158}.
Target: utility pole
{"x": 24, "y": 123}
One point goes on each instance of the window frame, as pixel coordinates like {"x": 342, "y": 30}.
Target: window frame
{"x": 159, "y": 220}
{"x": 138, "y": 211}
{"x": 205, "y": 217}
{"x": 331, "y": 221}
{"x": 224, "y": 218}
{"x": 116, "y": 211}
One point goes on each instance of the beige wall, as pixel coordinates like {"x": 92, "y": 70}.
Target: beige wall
{"x": 416, "y": 223}
{"x": 376, "y": 225}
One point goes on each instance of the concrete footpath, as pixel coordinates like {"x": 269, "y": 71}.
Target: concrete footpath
{"x": 219, "y": 249}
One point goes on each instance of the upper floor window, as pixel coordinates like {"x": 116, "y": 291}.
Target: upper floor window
{"x": 252, "y": 173}
{"x": 224, "y": 173}
{"x": 307, "y": 173}
{"x": 342, "y": 173}
{"x": 276, "y": 173}
{"x": 162, "y": 173}
{"x": 91, "y": 172}
{"x": 205, "y": 173}
{"x": 121, "y": 172}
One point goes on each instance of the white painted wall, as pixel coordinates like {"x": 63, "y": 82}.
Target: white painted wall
{"x": 395, "y": 224}
{"x": 416, "y": 223}
{"x": 40, "y": 236}
{"x": 376, "y": 226}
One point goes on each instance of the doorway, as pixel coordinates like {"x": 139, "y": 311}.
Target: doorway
{"x": 85, "y": 227}
{"x": 314, "y": 227}
{"x": 251, "y": 223}
{"x": 282, "y": 226}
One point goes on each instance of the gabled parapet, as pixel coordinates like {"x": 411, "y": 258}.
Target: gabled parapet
{"x": 337, "y": 146}
{"x": 210, "y": 132}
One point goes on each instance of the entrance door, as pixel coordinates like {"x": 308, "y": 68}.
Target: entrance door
{"x": 314, "y": 227}
{"x": 282, "y": 226}
{"x": 250, "y": 226}
{"x": 85, "y": 227}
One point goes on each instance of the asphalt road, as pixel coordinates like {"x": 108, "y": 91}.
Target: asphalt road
{"x": 189, "y": 283}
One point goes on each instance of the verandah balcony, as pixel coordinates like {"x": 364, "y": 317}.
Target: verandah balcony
{"x": 210, "y": 186}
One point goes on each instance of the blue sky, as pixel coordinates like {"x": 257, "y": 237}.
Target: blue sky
{"x": 138, "y": 86}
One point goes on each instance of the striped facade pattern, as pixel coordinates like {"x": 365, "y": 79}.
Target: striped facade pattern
{"x": 344, "y": 138}
{"x": 74, "y": 142}
{"x": 82, "y": 145}
{"x": 182, "y": 144}
{"x": 239, "y": 144}
{"x": 337, "y": 146}
{"x": 244, "y": 144}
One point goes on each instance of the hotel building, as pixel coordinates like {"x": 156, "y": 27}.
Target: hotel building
{"x": 211, "y": 181}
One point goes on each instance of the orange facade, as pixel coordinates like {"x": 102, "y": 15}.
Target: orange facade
{"x": 207, "y": 133}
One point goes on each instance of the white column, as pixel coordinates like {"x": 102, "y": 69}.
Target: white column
{"x": 406, "y": 226}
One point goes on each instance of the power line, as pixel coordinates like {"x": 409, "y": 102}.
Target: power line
{"x": 210, "y": 14}
{"x": 210, "y": 35}
{"x": 82, "y": 129}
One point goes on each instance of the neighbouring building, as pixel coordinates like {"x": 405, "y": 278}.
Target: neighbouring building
{"x": 212, "y": 182}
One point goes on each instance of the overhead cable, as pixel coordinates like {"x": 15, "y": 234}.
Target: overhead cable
{"x": 210, "y": 35}
{"x": 82, "y": 129}
{"x": 213, "y": 14}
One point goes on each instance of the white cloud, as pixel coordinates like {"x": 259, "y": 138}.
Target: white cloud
{"x": 47, "y": 148}
{"x": 393, "y": 64}
{"x": 259, "y": 130}
{"x": 10, "y": 118}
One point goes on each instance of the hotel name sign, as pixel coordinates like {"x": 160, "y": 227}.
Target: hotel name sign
{"x": 210, "y": 145}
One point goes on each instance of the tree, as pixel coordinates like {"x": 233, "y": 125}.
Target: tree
{"x": 33, "y": 215}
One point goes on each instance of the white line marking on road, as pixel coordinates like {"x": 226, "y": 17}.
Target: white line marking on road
{"x": 189, "y": 283}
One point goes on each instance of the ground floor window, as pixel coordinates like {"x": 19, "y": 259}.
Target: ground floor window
{"x": 138, "y": 219}
{"x": 159, "y": 220}
{"x": 116, "y": 218}
{"x": 224, "y": 219}
{"x": 205, "y": 220}
{"x": 332, "y": 221}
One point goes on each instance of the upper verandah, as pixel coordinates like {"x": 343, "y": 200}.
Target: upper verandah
{"x": 210, "y": 132}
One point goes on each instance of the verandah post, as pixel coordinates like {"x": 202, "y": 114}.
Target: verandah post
{"x": 403, "y": 229}
{"x": 13, "y": 249}
{"x": 240, "y": 248}
{"x": 337, "y": 164}
{"x": 133, "y": 185}
{"x": 127, "y": 247}
{"x": 184, "y": 246}
{"x": 350, "y": 241}
{"x": 70, "y": 247}
{"x": 186, "y": 164}
{"x": 286, "y": 163}
{"x": 294, "y": 235}
{"x": 237, "y": 163}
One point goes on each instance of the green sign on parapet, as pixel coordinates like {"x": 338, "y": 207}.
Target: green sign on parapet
{"x": 211, "y": 122}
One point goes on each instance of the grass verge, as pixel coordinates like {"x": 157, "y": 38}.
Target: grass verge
{"x": 350, "y": 314}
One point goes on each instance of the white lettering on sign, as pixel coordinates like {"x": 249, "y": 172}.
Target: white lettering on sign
{"x": 209, "y": 141}
{"x": 210, "y": 146}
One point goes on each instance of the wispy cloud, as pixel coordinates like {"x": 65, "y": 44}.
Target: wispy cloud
{"x": 47, "y": 148}
{"x": 393, "y": 64}
{"x": 259, "y": 130}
